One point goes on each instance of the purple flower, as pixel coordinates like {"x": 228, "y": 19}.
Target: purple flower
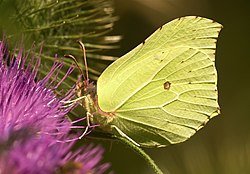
{"x": 44, "y": 156}
{"x": 31, "y": 105}
{"x": 24, "y": 101}
{"x": 88, "y": 159}
{"x": 34, "y": 155}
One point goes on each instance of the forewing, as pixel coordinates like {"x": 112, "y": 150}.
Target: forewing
{"x": 166, "y": 88}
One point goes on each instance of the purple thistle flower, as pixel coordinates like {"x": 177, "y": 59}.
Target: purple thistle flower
{"x": 88, "y": 158}
{"x": 23, "y": 101}
{"x": 28, "y": 104}
{"x": 34, "y": 155}
{"x": 44, "y": 156}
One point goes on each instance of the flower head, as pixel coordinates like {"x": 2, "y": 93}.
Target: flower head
{"x": 25, "y": 101}
{"x": 88, "y": 159}
{"x": 34, "y": 130}
{"x": 42, "y": 155}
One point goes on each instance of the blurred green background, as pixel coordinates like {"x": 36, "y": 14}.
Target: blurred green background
{"x": 223, "y": 145}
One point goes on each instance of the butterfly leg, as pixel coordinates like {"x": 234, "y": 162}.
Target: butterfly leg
{"x": 124, "y": 135}
{"x": 72, "y": 102}
{"x": 88, "y": 125}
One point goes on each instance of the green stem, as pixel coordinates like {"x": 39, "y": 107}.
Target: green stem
{"x": 143, "y": 154}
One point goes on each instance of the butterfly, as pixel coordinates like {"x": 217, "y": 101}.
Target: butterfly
{"x": 164, "y": 90}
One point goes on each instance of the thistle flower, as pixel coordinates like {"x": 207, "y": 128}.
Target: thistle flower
{"x": 88, "y": 159}
{"x": 45, "y": 156}
{"x": 31, "y": 105}
{"x": 23, "y": 101}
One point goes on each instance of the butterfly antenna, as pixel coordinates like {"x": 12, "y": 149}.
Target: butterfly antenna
{"x": 85, "y": 61}
{"x": 77, "y": 64}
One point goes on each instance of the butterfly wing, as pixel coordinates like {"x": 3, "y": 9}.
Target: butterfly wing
{"x": 165, "y": 89}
